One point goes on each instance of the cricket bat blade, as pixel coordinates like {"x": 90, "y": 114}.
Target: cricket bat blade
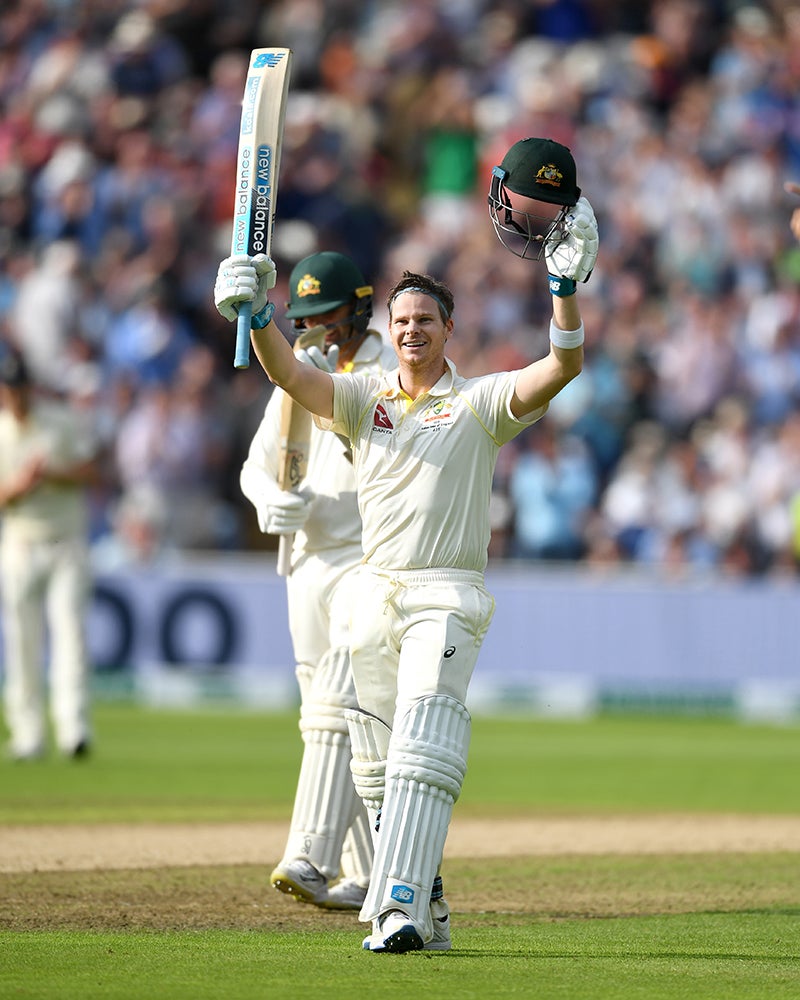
{"x": 257, "y": 168}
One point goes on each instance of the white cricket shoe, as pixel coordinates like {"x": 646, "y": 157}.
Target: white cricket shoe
{"x": 345, "y": 895}
{"x": 440, "y": 917}
{"x": 299, "y": 878}
{"x": 24, "y": 751}
{"x": 394, "y": 932}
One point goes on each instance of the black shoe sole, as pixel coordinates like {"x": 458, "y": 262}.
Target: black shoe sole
{"x": 406, "y": 939}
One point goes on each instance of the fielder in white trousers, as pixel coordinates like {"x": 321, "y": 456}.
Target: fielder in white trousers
{"x": 47, "y": 458}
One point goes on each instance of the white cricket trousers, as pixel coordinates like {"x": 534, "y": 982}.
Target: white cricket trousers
{"x": 45, "y": 592}
{"x": 416, "y": 636}
{"x": 416, "y": 633}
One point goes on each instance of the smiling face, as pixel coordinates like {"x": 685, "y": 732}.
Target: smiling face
{"x": 418, "y": 332}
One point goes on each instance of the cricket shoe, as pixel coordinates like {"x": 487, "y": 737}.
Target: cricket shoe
{"x": 345, "y": 895}
{"x": 394, "y": 932}
{"x": 440, "y": 917}
{"x": 22, "y": 756}
{"x": 80, "y": 751}
{"x": 299, "y": 878}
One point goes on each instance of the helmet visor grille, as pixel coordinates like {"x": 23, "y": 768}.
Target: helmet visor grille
{"x": 523, "y": 233}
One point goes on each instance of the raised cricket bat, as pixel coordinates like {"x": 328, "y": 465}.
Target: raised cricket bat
{"x": 257, "y": 166}
{"x": 294, "y": 444}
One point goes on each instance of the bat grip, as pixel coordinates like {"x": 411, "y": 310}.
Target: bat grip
{"x": 285, "y": 555}
{"x": 242, "y": 357}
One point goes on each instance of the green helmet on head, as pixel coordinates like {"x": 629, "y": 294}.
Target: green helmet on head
{"x": 324, "y": 281}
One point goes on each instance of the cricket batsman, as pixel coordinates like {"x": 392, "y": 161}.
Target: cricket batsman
{"x": 425, "y": 444}
{"x": 329, "y": 834}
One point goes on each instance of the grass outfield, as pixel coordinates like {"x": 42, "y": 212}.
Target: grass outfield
{"x": 214, "y": 765}
{"x": 736, "y": 957}
{"x": 650, "y": 926}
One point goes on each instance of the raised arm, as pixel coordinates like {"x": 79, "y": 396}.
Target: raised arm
{"x": 309, "y": 385}
{"x": 568, "y": 262}
{"x": 541, "y": 381}
{"x": 537, "y": 212}
{"x": 249, "y": 279}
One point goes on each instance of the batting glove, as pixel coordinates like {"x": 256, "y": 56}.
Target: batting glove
{"x": 325, "y": 362}
{"x": 284, "y": 513}
{"x": 574, "y": 256}
{"x": 244, "y": 279}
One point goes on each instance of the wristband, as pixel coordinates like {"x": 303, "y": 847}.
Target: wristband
{"x": 568, "y": 339}
{"x": 561, "y": 286}
{"x": 262, "y": 319}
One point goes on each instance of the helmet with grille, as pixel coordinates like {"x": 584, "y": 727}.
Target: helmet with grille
{"x": 534, "y": 170}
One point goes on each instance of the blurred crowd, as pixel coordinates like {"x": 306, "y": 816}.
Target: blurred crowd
{"x": 679, "y": 445}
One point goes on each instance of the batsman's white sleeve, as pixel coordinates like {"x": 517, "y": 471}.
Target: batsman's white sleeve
{"x": 264, "y": 452}
{"x": 279, "y": 512}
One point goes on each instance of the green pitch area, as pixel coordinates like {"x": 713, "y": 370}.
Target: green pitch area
{"x": 616, "y": 925}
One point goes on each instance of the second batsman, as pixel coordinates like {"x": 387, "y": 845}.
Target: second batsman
{"x": 329, "y": 833}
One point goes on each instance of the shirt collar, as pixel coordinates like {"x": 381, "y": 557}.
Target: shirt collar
{"x": 441, "y": 388}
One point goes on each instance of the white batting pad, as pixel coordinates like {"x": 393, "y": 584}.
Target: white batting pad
{"x": 330, "y": 692}
{"x": 425, "y": 770}
{"x": 369, "y": 740}
{"x": 357, "y": 850}
{"x": 325, "y": 803}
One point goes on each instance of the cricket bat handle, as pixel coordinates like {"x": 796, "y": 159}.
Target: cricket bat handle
{"x": 285, "y": 555}
{"x": 242, "y": 357}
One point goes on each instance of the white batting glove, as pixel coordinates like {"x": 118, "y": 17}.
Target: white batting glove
{"x": 244, "y": 279}
{"x": 284, "y": 513}
{"x": 314, "y": 356}
{"x": 575, "y": 255}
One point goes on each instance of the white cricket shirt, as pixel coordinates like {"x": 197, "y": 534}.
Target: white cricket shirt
{"x": 424, "y": 467}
